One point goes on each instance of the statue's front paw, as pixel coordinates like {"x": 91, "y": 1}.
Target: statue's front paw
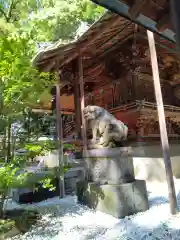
{"x": 104, "y": 143}
{"x": 107, "y": 144}
{"x": 101, "y": 142}
{"x": 93, "y": 141}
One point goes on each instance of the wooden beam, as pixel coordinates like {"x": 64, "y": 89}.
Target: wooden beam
{"x": 170, "y": 50}
{"x": 162, "y": 124}
{"x": 112, "y": 38}
{"x": 163, "y": 22}
{"x": 81, "y": 82}
{"x": 114, "y": 94}
{"x": 59, "y": 137}
{"x": 95, "y": 36}
{"x": 77, "y": 107}
{"x": 136, "y": 8}
{"x": 48, "y": 67}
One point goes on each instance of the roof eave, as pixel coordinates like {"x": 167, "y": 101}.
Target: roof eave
{"x": 56, "y": 46}
{"x": 121, "y": 8}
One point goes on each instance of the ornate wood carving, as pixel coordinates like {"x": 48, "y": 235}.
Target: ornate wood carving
{"x": 67, "y": 76}
{"x": 163, "y": 22}
{"x": 167, "y": 93}
{"x": 177, "y": 92}
{"x": 115, "y": 68}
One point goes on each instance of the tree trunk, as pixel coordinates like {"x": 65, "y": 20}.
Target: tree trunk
{"x": 8, "y": 156}
{"x": 2, "y": 200}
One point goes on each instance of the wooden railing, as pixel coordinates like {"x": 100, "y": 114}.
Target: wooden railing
{"x": 68, "y": 128}
{"x": 139, "y": 104}
{"x": 154, "y": 105}
{"x": 125, "y": 107}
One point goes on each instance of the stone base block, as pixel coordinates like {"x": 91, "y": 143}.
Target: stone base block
{"x": 117, "y": 200}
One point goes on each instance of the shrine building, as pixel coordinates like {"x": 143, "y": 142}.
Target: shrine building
{"x": 117, "y": 76}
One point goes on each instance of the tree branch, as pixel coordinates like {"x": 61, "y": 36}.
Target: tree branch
{"x": 12, "y": 7}
{"x": 9, "y": 13}
{"x": 4, "y": 14}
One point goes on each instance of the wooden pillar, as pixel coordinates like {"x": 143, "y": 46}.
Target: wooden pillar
{"x": 81, "y": 82}
{"x": 162, "y": 124}
{"x": 114, "y": 95}
{"x": 77, "y": 106}
{"x": 175, "y": 10}
{"x": 142, "y": 130}
{"x": 59, "y": 137}
{"x": 133, "y": 73}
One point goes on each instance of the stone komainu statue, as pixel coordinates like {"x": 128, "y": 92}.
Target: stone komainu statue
{"x": 107, "y": 131}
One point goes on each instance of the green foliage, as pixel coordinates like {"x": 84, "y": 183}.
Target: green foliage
{"x": 20, "y": 219}
{"x": 23, "y": 25}
{"x": 48, "y": 20}
{"x": 25, "y": 221}
{"x": 20, "y": 83}
{"x": 13, "y": 176}
{"x": 41, "y": 148}
{"x": 6, "y": 225}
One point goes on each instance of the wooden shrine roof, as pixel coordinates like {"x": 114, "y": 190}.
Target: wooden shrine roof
{"x": 111, "y": 37}
{"x": 106, "y": 34}
{"x": 107, "y": 31}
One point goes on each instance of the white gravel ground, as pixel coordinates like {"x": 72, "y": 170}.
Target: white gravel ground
{"x": 66, "y": 220}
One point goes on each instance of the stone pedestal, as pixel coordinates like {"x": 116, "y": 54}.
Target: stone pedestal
{"x": 111, "y": 186}
{"x": 118, "y": 200}
{"x": 110, "y": 166}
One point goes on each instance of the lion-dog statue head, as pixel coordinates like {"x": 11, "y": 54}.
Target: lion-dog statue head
{"x": 92, "y": 112}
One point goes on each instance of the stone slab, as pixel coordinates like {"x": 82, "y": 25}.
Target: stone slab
{"x": 75, "y": 172}
{"x": 108, "y": 152}
{"x": 117, "y": 200}
{"x": 25, "y": 195}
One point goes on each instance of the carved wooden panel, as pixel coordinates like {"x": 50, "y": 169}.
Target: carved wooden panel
{"x": 145, "y": 89}
{"x": 108, "y": 97}
{"x": 123, "y": 91}
{"x": 118, "y": 94}
{"x": 149, "y": 91}
{"x": 99, "y": 98}
{"x": 147, "y": 126}
{"x": 87, "y": 100}
{"x": 167, "y": 93}
{"x": 177, "y": 92}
